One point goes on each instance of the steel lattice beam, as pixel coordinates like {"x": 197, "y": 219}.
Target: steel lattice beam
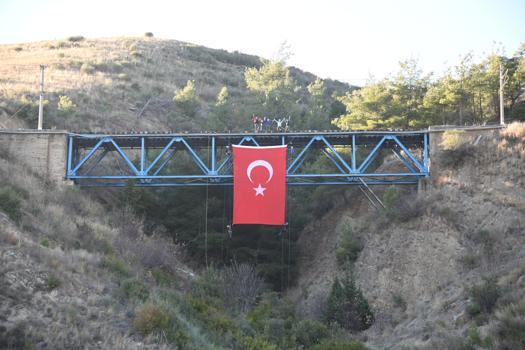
{"x": 351, "y": 153}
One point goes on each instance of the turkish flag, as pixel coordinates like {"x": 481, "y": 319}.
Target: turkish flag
{"x": 259, "y": 185}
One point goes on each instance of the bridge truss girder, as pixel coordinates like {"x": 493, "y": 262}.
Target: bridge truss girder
{"x": 350, "y": 153}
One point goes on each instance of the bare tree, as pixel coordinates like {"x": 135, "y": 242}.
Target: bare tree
{"x": 242, "y": 286}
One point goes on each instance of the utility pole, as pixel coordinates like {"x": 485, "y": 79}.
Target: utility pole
{"x": 41, "y": 104}
{"x": 502, "y": 82}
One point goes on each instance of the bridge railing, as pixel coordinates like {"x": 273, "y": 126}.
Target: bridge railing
{"x": 350, "y": 158}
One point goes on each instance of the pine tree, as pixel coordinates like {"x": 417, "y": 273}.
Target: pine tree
{"x": 347, "y": 306}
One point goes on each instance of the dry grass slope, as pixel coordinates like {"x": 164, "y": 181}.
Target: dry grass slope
{"x": 61, "y": 267}
{"x": 125, "y": 84}
{"x": 419, "y": 273}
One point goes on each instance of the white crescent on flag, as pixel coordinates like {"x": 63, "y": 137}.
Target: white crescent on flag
{"x": 256, "y": 163}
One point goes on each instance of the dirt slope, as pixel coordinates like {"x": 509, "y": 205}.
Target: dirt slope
{"x": 417, "y": 273}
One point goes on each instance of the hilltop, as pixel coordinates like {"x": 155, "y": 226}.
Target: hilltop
{"x": 127, "y": 84}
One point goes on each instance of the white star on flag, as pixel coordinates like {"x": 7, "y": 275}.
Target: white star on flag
{"x": 259, "y": 190}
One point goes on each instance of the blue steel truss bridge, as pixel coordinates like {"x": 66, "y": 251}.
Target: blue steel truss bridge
{"x": 314, "y": 158}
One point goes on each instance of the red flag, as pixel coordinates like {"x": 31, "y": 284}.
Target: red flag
{"x": 259, "y": 185}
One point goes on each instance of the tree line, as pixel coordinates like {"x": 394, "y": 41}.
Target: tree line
{"x": 466, "y": 94}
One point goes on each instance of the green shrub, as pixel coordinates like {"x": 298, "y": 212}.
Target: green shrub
{"x": 273, "y": 318}
{"x": 270, "y": 307}
{"x": 11, "y": 202}
{"x": 452, "y": 140}
{"x": 53, "y": 282}
{"x": 258, "y": 343}
{"x": 208, "y": 285}
{"x": 162, "y": 278}
{"x": 134, "y": 290}
{"x": 152, "y": 318}
{"x": 308, "y": 333}
{"x": 181, "y": 339}
{"x": 65, "y": 106}
{"x": 473, "y": 309}
{"x": 222, "y": 96}
{"x": 484, "y": 297}
{"x": 473, "y": 337}
{"x": 44, "y": 242}
{"x": 105, "y": 246}
{"x": 201, "y": 307}
{"x": 510, "y": 329}
{"x": 115, "y": 265}
{"x": 390, "y": 197}
{"x": 75, "y": 38}
{"x": 349, "y": 247}
{"x": 186, "y": 94}
{"x": 186, "y": 98}
{"x": 347, "y": 306}
{"x": 399, "y": 301}
{"x": 334, "y": 344}
{"x": 401, "y": 206}
{"x": 221, "y": 324}
{"x": 18, "y": 49}
{"x": 148, "y": 35}
{"x": 210, "y": 56}
{"x": 469, "y": 261}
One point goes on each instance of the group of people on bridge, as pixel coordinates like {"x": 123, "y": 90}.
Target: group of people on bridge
{"x": 267, "y": 125}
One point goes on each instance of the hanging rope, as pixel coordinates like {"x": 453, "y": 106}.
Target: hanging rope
{"x": 282, "y": 257}
{"x": 223, "y": 220}
{"x": 206, "y": 215}
{"x": 206, "y": 227}
{"x": 289, "y": 229}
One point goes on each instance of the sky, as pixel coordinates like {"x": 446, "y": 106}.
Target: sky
{"x": 348, "y": 40}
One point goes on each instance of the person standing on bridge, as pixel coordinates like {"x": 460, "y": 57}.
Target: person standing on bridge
{"x": 255, "y": 121}
{"x": 267, "y": 124}
{"x": 279, "y": 123}
{"x": 287, "y": 124}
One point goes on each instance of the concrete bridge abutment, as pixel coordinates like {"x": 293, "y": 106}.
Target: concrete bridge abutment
{"x": 43, "y": 151}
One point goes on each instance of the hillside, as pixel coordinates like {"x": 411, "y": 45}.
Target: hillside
{"x": 154, "y": 268}
{"x": 77, "y": 273}
{"x": 441, "y": 269}
{"x": 129, "y": 84}
{"x": 445, "y": 268}
{"x": 62, "y": 276}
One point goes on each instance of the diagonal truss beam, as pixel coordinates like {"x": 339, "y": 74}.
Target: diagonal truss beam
{"x": 368, "y": 160}
{"x": 216, "y": 166}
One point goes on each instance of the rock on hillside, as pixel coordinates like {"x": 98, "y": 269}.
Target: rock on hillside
{"x": 419, "y": 267}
